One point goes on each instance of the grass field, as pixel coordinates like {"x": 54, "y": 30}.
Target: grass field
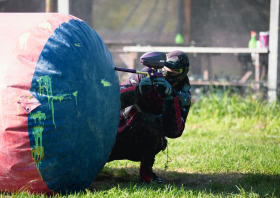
{"x": 230, "y": 148}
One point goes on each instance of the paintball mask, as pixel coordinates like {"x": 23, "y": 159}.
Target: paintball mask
{"x": 178, "y": 63}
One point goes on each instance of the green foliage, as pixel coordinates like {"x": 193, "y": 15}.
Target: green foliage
{"x": 237, "y": 113}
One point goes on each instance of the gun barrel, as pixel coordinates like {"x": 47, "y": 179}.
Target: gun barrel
{"x": 125, "y": 70}
{"x": 131, "y": 71}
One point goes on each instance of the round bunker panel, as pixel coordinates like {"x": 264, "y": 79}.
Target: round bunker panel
{"x": 59, "y": 104}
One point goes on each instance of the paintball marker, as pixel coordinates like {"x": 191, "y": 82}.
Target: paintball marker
{"x": 154, "y": 60}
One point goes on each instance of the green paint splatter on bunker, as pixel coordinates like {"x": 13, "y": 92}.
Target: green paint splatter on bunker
{"x": 105, "y": 83}
{"x": 61, "y": 97}
{"x": 38, "y": 149}
{"x": 76, "y": 95}
{"x": 38, "y": 115}
{"x": 45, "y": 84}
{"x": 29, "y": 97}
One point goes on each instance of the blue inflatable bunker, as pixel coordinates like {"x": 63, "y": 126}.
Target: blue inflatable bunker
{"x": 59, "y": 103}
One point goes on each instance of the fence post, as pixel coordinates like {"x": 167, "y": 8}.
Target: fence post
{"x": 274, "y": 59}
{"x": 63, "y": 6}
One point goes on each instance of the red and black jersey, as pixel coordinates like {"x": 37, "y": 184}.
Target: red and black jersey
{"x": 171, "y": 115}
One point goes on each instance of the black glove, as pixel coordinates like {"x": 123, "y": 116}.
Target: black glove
{"x": 163, "y": 88}
{"x": 145, "y": 86}
{"x": 184, "y": 98}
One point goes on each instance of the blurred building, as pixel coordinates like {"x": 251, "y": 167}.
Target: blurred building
{"x": 203, "y": 23}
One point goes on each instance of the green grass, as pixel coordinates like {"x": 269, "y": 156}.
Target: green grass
{"x": 230, "y": 148}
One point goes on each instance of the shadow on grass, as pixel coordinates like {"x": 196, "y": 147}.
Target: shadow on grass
{"x": 224, "y": 183}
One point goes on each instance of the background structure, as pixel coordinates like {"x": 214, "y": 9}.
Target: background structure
{"x": 202, "y": 23}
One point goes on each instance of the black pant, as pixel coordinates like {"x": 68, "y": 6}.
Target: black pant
{"x": 141, "y": 142}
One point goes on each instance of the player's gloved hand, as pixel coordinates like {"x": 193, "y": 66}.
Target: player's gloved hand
{"x": 145, "y": 86}
{"x": 184, "y": 98}
{"x": 163, "y": 88}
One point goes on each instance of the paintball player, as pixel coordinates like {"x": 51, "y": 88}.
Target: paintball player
{"x": 150, "y": 111}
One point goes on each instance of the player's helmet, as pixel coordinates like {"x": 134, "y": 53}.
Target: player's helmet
{"x": 179, "y": 61}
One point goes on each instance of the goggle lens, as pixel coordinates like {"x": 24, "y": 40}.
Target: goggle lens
{"x": 174, "y": 72}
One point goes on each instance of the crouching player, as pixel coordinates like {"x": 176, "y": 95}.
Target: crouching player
{"x": 151, "y": 111}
